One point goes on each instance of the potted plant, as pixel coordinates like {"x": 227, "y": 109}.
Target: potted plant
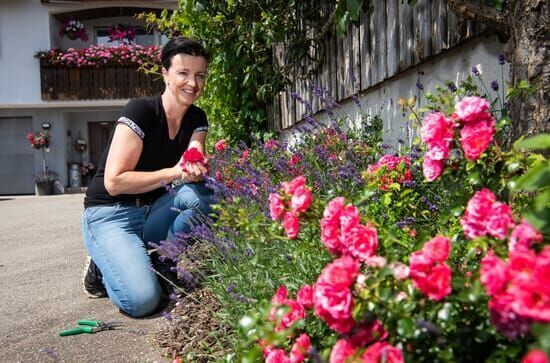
{"x": 74, "y": 29}
{"x": 44, "y": 180}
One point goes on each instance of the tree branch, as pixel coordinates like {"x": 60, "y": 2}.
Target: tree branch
{"x": 476, "y": 10}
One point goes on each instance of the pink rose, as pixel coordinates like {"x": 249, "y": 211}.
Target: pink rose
{"x": 419, "y": 263}
{"x": 437, "y": 249}
{"x": 499, "y": 220}
{"x": 280, "y": 295}
{"x": 300, "y": 349}
{"x": 305, "y": 296}
{"x": 523, "y": 236}
{"x": 276, "y": 206}
{"x": 295, "y": 314}
{"x": 330, "y": 235}
{"x": 436, "y": 128}
{"x": 301, "y": 199}
{"x": 277, "y": 356}
{"x": 382, "y": 352}
{"x": 349, "y": 217}
{"x": 290, "y": 187}
{"x": 340, "y": 273}
{"x": 332, "y": 304}
{"x": 475, "y": 137}
{"x": 535, "y": 356}
{"x": 291, "y": 224}
{"x": 271, "y": 144}
{"x": 400, "y": 270}
{"x": 439, "y": 282}
{"x": 474, "y": 221}
{"x": 342, "y": 350}
{"x": 432, "y": 169}
{"x": 362, "y": 241}
{"x": 471, "y": 109}
{"x": 493, "y": 274}
{"x": 334, "y": 208}
{"x": 221, "y": 146}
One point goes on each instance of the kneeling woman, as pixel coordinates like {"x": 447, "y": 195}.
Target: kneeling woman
{"x": 126, "y": 205}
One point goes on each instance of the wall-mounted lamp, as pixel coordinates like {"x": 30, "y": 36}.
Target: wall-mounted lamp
{"x": 46, "y": 125}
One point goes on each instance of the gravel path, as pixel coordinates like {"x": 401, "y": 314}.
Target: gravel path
{"x": 41, "y": 261}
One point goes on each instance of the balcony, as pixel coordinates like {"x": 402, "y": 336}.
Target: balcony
{"x": 59, "y": 82}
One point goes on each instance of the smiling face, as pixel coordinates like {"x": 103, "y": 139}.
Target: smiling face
{"x": 185, "y": 78}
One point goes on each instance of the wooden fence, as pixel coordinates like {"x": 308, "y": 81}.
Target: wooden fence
{"x": 121, "y": 82}
{"x": 394, "y": 38}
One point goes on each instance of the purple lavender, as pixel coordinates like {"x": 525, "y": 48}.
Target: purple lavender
{"x": 501, "y": 59}
{"x": 452, "y": 86}
{"x": 494, "y": 85}
{"x": 419, "y": 85}
{"x": 475, "y": 71}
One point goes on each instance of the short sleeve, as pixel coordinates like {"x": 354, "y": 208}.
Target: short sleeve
{"x": 136, "y": 115}
{"x": 200, "y": 121}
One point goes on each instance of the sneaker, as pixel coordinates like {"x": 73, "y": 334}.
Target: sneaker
{"x": 93, "y": 281}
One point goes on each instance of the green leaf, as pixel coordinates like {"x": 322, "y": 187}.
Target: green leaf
{"x": 537, "y": 142}
{"x": 536, "y": 178}
{"x": 405, "y": 327}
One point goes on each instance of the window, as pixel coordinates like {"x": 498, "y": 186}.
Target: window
{"x": 142, "y": 37}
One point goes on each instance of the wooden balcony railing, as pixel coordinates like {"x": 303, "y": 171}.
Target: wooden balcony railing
{"x": 115, "y": 82}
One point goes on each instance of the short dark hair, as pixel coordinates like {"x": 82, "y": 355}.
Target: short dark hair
{"x": 181, "y": 45}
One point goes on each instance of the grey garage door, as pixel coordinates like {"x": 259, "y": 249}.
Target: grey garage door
{"x": 16, "y": 156}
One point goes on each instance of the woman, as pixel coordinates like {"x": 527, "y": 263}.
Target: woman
{"x": 126, "y": 204}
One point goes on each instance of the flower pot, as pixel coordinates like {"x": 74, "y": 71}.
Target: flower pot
{"x": 71, "y": 35}
{"x": 44, "y": 187}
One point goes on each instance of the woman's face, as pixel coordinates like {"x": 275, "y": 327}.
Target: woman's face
{"x": 185, "y": 78}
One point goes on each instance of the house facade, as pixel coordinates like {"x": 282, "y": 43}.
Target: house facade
{"x": 76, "y": 106}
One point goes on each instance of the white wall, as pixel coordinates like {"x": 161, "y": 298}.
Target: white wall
{"x": 453, "y": 65}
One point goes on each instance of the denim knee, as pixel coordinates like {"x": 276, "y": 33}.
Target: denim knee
{"x": 141, "y": 301}
{"x": 194, "y": 196}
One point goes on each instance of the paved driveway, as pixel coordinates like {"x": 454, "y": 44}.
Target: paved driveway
{"x": 41, "y": 261}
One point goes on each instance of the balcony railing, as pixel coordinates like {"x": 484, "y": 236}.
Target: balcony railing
{"x": 113, "y": 82}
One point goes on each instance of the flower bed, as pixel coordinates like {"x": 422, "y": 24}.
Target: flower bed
{"x": 101, "y": 56}
{"x": 328, "y": 250}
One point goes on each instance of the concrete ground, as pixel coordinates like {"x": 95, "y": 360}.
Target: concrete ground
{"x": 41, "y": 262}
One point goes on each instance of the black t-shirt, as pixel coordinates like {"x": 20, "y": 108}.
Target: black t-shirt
{"x": 146, "y": 117}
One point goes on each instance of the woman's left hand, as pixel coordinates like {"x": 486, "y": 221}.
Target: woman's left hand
{"x": 194, "y": 172}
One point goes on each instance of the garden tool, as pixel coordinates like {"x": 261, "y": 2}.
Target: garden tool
{"x": 90, "y": 327}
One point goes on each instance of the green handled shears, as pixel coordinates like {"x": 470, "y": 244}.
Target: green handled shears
{"x": 89, "y": 327}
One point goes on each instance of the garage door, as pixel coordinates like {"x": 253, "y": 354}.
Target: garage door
{"x": 16, "y": 156}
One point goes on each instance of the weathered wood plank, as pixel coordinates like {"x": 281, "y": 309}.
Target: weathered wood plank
{"x": 392, "y": 35}
{"x": 406, "y": 36}
{"x": 439, "y": 13}
{"x": 381, "y": 55}
{"x": 365, "y": 52}
{"x": 356, "y": 64}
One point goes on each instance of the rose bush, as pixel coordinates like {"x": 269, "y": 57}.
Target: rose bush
{"x": 387, "y": 262}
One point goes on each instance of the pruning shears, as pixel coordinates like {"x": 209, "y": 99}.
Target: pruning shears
{"x": 90, "y": 327}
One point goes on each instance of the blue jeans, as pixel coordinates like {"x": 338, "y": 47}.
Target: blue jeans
{"x": 116, "y": 238}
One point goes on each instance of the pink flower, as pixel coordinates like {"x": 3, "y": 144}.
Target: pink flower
{"x": 291, "y": 224}
{"x": 340, "y": 273}
{"x": 342, "y": 351}
{"x": 499, "y": 220}
{"x": 276, "y": 206}
{"x": 193, "y": 155}
{"x": 437, "y": 249}
{"x": 474, "y": 221}
{"x": 439, "y": 282}
{"x": 471, "y": 109}
{"x": 330, "y": 225}
{"x": 280, "y": 295}
{"x": 301, "y": 199}
{"x": 382, "y": 352}
{"x": 294, "y": 159}
{"x": 295, "y": 313}
{"x": 432, "y": 169}
{"x": 523, "y": 236}
{"x": 305, "y": 296}
{"x": 271, "y": 144}
{"x": 475, "y": 137}
{"x": 290, "y": 187}
{"x": 535, "y": 356}
{"x": 335, "y": 306}
{"x": 277, "y": 356}
{"x": 221, "y": 146}
{"x": 430, "y": 277}
{"x": 362, "y": 241}
{"x": 300, "y": 349}
{"x": 493, "y": 273}
{"x": 400, "y": 270}
{"x": 437, "y": 133}
{"x": 349, "y": 218}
